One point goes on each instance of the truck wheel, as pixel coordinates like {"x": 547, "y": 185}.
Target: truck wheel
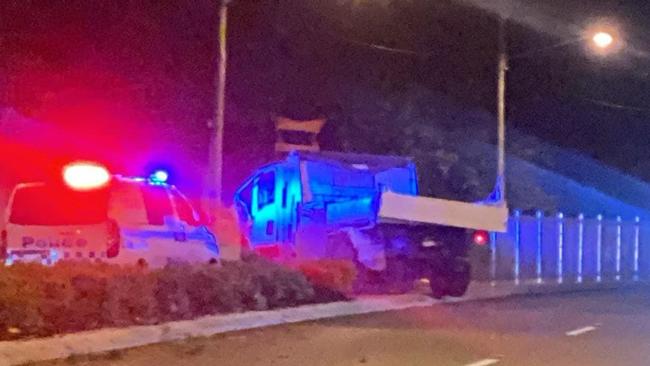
{"x": 460, "y": 278}
{"x": 438, "y": 286}
{"x": 398, "y": 274}
{"x": 367, "y": 281}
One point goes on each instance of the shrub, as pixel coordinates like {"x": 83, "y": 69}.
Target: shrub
{"x": 215, "y": 290}
{"x": 281, "y": 286}
{"x": 171, "y": 292}
{"x": 330, "y": 275}
{"x": 67, "y": 297}
{"x": 130, "y": 298}
{"x": 246, "y": 284}
{"x": 20, "y": 296}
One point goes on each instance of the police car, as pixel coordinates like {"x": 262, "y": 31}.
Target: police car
{"x": 93, "y": 215}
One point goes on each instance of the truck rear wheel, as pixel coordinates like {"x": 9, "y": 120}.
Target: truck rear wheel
{"x": 452, "y": 281}
{"x": 368, "y": 281}
{"x": 399, "y": 275}
{"x": 460, "y": 278}
{"x": 438, "y": 285}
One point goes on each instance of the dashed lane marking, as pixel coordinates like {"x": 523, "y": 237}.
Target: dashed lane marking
{"x": 484, "y": 362}
{"x": 579, "y": 331}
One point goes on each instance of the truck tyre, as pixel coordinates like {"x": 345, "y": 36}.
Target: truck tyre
{"x": 438, "y": 286}
{"x": 460, "y": 278}
{"x": 398, "y": 275}
{"x": 367, "y": 281}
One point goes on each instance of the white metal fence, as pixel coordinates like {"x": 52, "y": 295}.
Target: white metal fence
{"x": 569, "y": 250}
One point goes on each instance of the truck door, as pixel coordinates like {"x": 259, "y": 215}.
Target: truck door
{"x": 287, "y": 190}
{"x": 264, "y": 208}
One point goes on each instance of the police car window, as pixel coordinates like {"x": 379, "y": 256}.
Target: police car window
{"x": 54, "y": 205}
{"x": 266, "y": 191}
{"x": 157, "y": 203}
{"x": 183, "y": 208}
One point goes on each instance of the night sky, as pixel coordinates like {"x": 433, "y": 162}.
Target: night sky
{"x": 147, "y": 67}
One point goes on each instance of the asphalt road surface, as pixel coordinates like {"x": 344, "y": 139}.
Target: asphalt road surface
{"x": 590, "y": 328}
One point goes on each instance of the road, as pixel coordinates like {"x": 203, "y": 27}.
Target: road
{"x": 589, "y": 328}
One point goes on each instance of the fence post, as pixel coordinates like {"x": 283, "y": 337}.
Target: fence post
{"x": 581, "y": 243}
{"x": 599, "y": 248}
{"x": 538, "y": 255}
{"x": 493, "y": 258}
{"x": 619, "y": 230}
{"x": 637, "y": 237}
{"x": 560, "y": 247}
{"x": 517, "y": 245}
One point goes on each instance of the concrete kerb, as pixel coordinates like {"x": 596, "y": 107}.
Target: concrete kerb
{"x": 105, "y": 340}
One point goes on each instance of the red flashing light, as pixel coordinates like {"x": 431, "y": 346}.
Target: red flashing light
{"x": 84, "y": 176}
{"x": 481, "y": 237}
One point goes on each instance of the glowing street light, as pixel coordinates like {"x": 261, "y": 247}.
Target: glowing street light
{"x": 603, "y": 39}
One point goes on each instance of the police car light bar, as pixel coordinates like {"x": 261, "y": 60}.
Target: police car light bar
{"x": 159, "y": 176}
{"x": 83, "y": 176}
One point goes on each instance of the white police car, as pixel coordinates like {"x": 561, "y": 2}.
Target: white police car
{"x": 92, "y": 215}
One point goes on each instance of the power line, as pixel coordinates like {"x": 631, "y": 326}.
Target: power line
{"x": 380, "y": 47}
{"x": 604, "y": 103}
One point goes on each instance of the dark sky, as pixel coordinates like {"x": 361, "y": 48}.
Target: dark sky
{"x": 569, "y": 95}
{"x": 154, "y": 63}
{"x": 597, "y": 104}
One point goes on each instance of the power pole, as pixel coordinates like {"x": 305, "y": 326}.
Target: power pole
{"x": 501, "y": 112}
{"x": 216, "y": 145}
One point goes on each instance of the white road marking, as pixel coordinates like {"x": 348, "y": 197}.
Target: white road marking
{"x": 484, "y": 362}
{"x": 579, "y": 331}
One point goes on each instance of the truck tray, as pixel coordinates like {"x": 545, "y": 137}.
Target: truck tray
{"x": 418, "y": 209}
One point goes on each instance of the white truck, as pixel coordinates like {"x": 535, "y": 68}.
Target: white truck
{"x": 364, "y": 208}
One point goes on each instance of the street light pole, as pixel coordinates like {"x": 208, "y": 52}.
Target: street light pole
{"x": 216, "y": 146}
{"x": 603, "y": 40}
{"x": 501, "y": 113}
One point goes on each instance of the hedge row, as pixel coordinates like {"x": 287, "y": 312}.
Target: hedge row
{"x": 38, "y": 301}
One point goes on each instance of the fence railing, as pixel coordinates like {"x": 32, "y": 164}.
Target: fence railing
{"x": 563, "y": 249}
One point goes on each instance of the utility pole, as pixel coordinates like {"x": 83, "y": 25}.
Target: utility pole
{"x": 501, "y": 112}
{"x": 216, "y": 141}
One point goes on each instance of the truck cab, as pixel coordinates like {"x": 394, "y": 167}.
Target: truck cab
{"x": 306, "y": 192}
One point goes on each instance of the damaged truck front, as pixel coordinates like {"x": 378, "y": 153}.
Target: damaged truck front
{"x": 364, "y": 208}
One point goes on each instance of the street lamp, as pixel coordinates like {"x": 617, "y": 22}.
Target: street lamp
{"x": 603, "y": 40}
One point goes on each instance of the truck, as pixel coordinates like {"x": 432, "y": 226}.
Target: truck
{"x": 366, "y": 209}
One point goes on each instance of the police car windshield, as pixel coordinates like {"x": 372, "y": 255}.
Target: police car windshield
{"x": 50, "y": 206}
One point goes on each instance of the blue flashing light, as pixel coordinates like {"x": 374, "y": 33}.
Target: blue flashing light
{"x": 159, "y": 176}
